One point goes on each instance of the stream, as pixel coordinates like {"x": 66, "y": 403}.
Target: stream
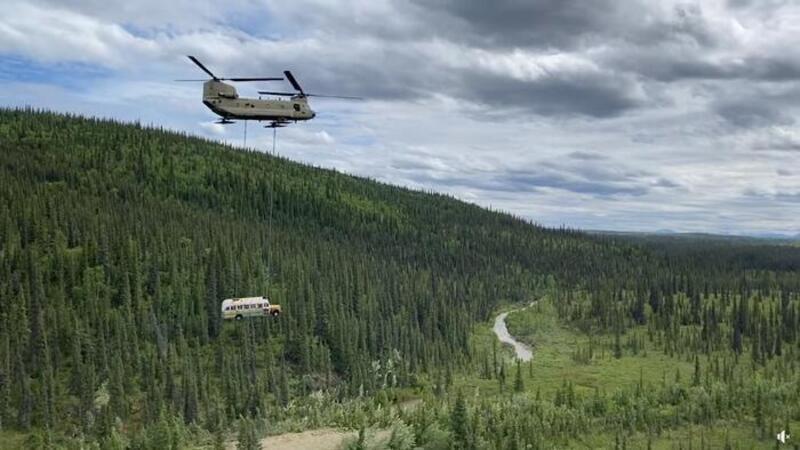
{"x": 523, "y": 352}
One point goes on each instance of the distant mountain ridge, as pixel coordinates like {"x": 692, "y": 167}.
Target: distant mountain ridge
{"x": 761, "y": 237}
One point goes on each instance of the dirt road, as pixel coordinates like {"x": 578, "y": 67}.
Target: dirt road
{"x": 319, "y": 439}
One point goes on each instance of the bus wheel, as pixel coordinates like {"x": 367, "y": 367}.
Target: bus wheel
{"x": 239, "y": 317}
{"x": 275, "y": 313}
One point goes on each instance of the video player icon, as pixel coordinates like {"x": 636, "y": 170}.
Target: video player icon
{"x": 783, "y": 437}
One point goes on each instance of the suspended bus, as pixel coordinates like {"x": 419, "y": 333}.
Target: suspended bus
{"x": 239, "y": 308}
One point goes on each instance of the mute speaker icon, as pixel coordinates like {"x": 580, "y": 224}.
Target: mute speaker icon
{"x": 783, "y": 437}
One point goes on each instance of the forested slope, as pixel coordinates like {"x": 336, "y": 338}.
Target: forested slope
{"x": 118, "y": 242}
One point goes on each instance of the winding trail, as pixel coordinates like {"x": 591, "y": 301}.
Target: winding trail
{"x": 523, "y": 352}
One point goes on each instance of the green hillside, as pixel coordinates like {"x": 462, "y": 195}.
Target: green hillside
{"x": 118, "y": 243}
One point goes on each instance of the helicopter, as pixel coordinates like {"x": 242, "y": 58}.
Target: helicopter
{"x": 223, "y": 100}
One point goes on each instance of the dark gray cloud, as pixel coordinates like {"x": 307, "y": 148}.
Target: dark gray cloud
{"x": 778, "y": 139}
{"x": 513, "y": 23}
{"x": 745, "y": 114}
{"x": 633, "y": 52}
{"x": 791, "y": 197}
{"x": 769, "y": 5}
{"x": 665, "y": 183}
{"x": 531, "y": 181}
{"x": 785, "y": 145}
{"x": 395, "y": 75}
{"x": 780, "y": 196}
{"x": 625, "y": 46}
{"x": 585, "y": 93}
{"x": 586, "y": 156}
{"x": 782, "y": 67}
{"x": 520, "y": 181}
{"x": 674, "y": 63}
{"x": 756, "y": 105}
{"x": 564, "y": 24}
{"x": 582, "y": 173}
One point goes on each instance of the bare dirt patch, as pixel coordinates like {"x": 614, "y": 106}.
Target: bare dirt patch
{"x": 320, "y": 439}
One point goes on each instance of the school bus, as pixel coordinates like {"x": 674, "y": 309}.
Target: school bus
{"x": 239, "y": 308}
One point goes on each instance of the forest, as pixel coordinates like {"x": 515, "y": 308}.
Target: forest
{"x": 118, "y": 243}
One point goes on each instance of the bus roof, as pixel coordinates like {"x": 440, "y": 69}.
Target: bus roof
{"x": 245, "y": 299}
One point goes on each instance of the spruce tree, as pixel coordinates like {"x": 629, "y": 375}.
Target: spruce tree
{"x": 459, "y": 422}
{"x": 247, "y": 438}
{"x": 518, "y": 386}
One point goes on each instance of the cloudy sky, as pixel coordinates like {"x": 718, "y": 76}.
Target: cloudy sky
{"x": 600, "y": 114}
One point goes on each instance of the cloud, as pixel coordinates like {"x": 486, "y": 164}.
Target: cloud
{"x": 665, "y": 183}
{"x": 586, "y": 156}
{"x": 779, "y": 196}
{"x": 214, "y": 128}
{"x": 560, "y": 91}
{"x": 568, "y": 24}
{"x": 509, "y": 23}
{"x": 634, "y": 115}
{"x": 311, "y": 138}
{"x": 147, "y": 15}
{"x": 532, "y": 181}
{"x": 58, "y": 34}
{"x": 778, "y": 139}
{"x": 746, "y": 114}
{"x": 597, "y": 177}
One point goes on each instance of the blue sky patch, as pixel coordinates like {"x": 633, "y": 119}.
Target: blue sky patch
{"x": 71, "y": 75}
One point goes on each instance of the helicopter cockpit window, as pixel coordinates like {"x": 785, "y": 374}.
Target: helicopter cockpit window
{"x": 297, "y": 107}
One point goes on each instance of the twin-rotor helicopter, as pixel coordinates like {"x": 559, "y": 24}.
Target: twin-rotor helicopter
{"x": 223, "y": 100}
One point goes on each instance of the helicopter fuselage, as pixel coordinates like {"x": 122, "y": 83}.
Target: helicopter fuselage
{"x": 223, "y": 100}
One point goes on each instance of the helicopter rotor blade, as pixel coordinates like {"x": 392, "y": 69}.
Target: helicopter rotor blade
{"x": 335, "y": 96}
{"x": 289, "y": 94}
{"x": 216, "y": 78}
{"x": 201, "y": 66}
{"x": 286, "y": 94}
{"x": 253, "y": 79}
{"x": 294, "y": 82}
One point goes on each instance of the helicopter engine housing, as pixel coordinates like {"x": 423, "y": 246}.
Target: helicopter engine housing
{"x": 214, "y": 89}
